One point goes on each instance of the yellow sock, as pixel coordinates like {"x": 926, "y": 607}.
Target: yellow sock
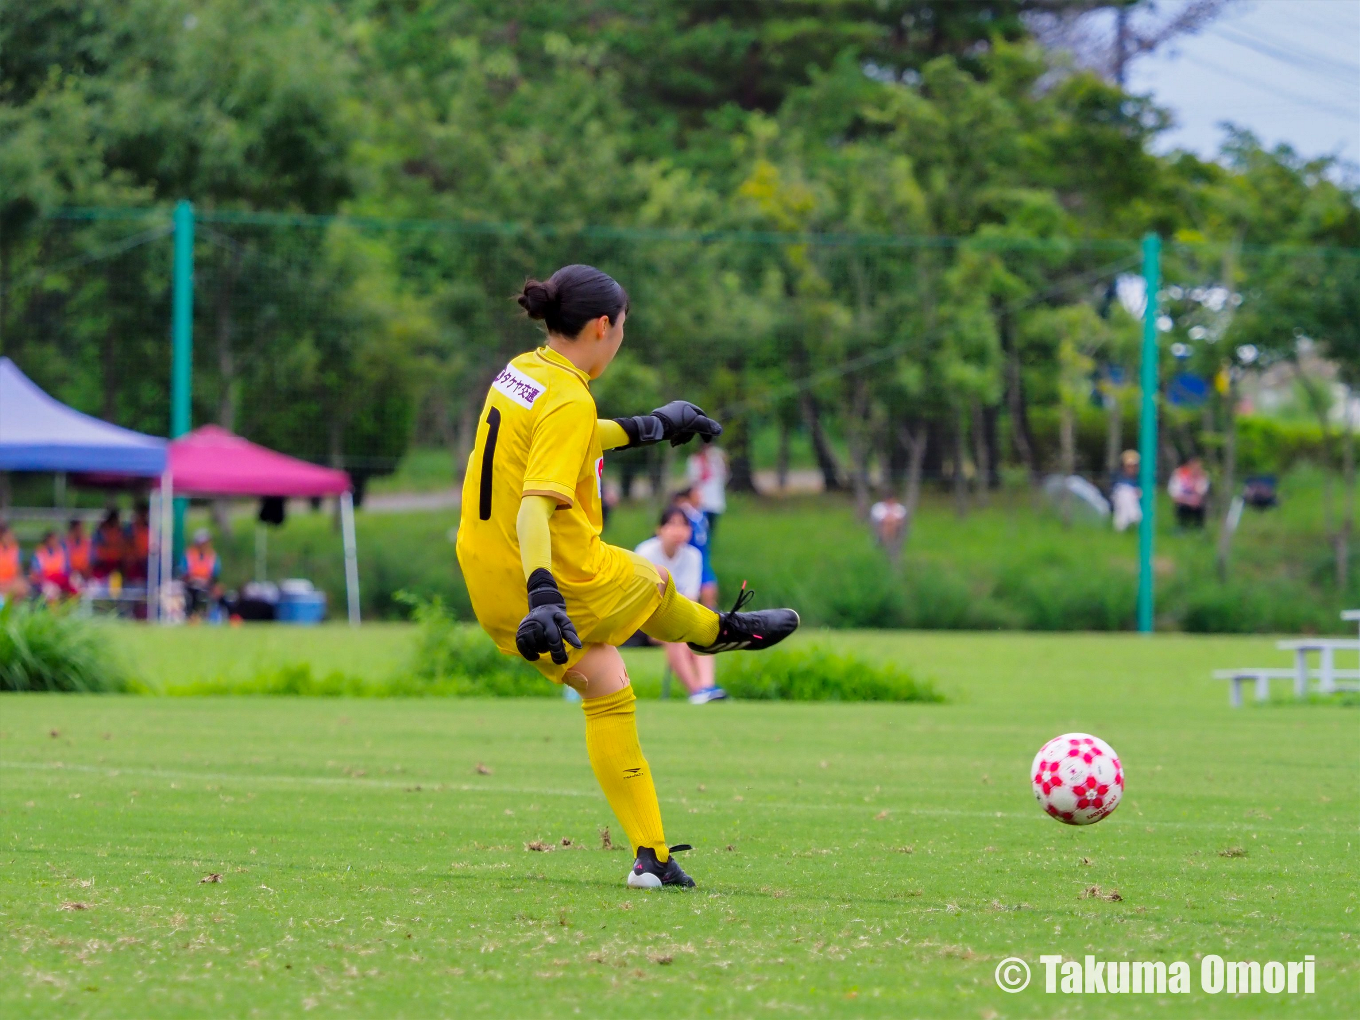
{"x": 621, "y": 770}
{"x": 679, "y": 619}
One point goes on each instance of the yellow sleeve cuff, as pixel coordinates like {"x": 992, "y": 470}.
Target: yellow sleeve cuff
{"x": 535, "y": 538}
{"x": 612, "y": 435}
{"x": 565, "y": 495}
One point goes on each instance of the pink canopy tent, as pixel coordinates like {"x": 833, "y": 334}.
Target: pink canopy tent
{"x": 210, "y": 461}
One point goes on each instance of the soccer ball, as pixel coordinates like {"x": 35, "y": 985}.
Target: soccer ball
{"x": 1077, "y": 778}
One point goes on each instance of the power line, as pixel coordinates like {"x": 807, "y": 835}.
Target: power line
{"x": 1286, "y": 50}
{"x": 1318, "y": 104}
{"x": 1311, "y": 63}
{"x": 1330, "y": 28}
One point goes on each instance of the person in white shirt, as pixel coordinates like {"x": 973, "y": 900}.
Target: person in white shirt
{"x": 1127, "y": 492}
{"x": 708, "y": 473}
{"x": 670, "y": 548}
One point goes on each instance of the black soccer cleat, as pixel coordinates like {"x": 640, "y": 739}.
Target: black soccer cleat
{"x": 737, "y": 630}
{"x": 649, "y": 873}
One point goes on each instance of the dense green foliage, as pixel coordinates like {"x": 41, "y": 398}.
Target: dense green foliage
{"x": 857, "y": 860}
{"x": 869, "y": 217}
{"x": 441, "y": 658}
{"x": 470, "y": 678}
{"x": 453, "y": 658}
{"x": 44, "y": 649}
{"x": 813, "y": 673}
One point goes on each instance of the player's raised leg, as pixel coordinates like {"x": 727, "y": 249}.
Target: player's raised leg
{"x": 707, "y": 632}
{"x": 601, "y": 678}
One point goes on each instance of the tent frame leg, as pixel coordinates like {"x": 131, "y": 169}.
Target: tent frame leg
{"x": 351, "y": 557}
{"x": 167, "y": 545}
{"x": 153, "y": 560}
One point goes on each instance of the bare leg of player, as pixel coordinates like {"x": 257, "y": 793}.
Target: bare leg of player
{"x": 684, "y": 664}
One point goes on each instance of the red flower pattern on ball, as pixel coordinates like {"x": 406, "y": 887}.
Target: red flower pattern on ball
{"x": 1077, "y": 778}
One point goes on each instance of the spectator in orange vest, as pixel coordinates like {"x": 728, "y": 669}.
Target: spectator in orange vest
{"x": 79, "y": 550}
{"x": 138, "y": 544}
{"x": 199, "y": 570}
{"x": 13, "y": 585}
{"x": 109, "y": 546}
{"x": 50, "y": 571}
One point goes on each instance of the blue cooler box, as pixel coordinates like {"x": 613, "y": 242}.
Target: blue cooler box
{"x": 302, "y": 607}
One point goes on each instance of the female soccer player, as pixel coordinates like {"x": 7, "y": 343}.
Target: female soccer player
{"x": 531, "y": 527}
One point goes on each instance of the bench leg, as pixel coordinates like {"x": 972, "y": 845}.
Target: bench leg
{"x": 1263, "y": 688}
{"x": 1328, "y": 671}
{"x": 1235, "y": 691}
{"x": 1300, "y": 673}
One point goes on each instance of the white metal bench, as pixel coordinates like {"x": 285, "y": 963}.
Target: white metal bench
{"x": 1326, "y": 649}
{"x": 1261, "y": 677}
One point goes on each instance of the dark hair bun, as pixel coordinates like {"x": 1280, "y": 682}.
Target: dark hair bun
{"x": 537, "y": 299}
{"x": 571, "y": 297}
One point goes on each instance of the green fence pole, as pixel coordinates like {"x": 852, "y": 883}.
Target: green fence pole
{"x": 182, "y": 341}
{"x": 1147, "y": 430}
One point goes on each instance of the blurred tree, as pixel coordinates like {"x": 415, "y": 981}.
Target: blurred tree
{"x": 713, "y": 156}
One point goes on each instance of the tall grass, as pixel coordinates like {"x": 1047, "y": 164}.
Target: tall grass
{"x": 449, "y": 659}
{"x": 51, "y": 649}
{"x": 461, "y": 660}
{"x": 817, "y": 674}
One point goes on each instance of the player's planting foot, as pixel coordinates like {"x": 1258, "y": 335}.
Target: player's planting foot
{"x": 706, "y": 695}
{"x": 754, "y": 631}
{"x": 649, "y": 873}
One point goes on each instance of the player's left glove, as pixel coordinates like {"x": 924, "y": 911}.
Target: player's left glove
{"x": 679, "y": 421}
{"x": 546, "y": 628}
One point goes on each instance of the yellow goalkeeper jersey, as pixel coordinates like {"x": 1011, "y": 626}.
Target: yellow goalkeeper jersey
{"x": 537, "y": 435}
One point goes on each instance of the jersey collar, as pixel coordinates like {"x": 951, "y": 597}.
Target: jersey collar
{"x": 552, "y": 357}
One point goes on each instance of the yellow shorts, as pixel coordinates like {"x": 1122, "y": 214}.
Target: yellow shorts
{"x": 637, "y": 602}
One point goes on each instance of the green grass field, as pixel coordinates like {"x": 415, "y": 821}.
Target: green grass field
{"x": 874, "y": 860}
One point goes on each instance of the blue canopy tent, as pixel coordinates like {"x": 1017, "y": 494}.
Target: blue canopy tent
{"x": 39, "y": 433}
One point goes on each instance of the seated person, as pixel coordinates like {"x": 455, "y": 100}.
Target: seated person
{"x": 109, "y": 548}
{"x": 1260, "y": 491}
{"x": 1189, "y": 487}
{"x": 200, "y": 569}
{"x": 50, "y": 571}
{"x": 79, "y": 551}
{"x": 1126, "y": 492}
{"x": 13, "y": 584}
{"x": 138, "y": 545}
{"x": 688, "y": 500}
{"x": 671, "y": 549}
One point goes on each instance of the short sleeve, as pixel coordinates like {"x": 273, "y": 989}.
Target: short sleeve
{"x": 559, "y": 447}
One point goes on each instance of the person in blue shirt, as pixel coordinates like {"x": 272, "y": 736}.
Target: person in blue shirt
{"x": 688, "y": 501}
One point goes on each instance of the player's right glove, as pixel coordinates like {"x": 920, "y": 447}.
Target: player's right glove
{"x": 547, "y": 626}
{"x": 679, "y": 421}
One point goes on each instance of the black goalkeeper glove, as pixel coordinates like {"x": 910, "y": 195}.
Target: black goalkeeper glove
{"x": 679, "y": 421}
{"x": 547, "y": 626}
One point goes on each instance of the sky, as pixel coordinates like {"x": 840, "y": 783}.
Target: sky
{"x": 1288, "y": 70}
